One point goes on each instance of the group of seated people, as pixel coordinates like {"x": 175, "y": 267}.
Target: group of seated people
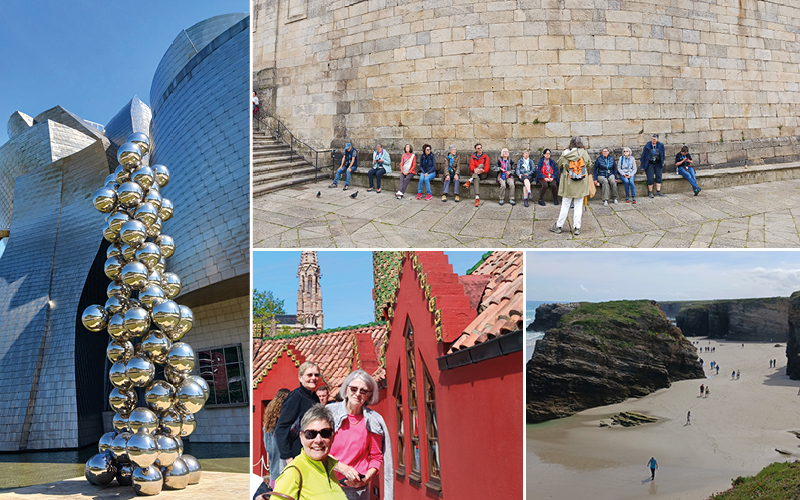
{"x": 545, "y": 172}
{"x": 321, "y": 450}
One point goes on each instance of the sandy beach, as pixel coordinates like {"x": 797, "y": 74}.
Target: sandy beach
{"x": 733, "y": 432}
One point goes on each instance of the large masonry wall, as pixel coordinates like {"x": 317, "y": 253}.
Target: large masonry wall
{"x": 720, "y": 75}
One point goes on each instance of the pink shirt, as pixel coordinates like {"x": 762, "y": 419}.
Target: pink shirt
{"x": 356, "y": 447}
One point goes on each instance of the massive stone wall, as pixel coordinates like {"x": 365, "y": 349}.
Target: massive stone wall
{"x": 719, "y": 75}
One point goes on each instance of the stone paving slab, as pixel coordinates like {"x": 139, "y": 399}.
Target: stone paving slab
{"x": 764, "y": 215}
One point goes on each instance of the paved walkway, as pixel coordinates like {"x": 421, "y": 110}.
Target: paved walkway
{"x": 761, "y": 215}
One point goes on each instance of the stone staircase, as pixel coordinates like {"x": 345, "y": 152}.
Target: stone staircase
{"x": 275, "y": 166}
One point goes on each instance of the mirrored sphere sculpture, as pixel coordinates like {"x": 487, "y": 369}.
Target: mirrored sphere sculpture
{"x": 119, "y": 350}
{"x": 202, "y": 383}
{"x": 176, "y": 476}
{"x": 119, "y": 447}
{"x": 125, "y": 474}
{"x": 95, "y": 318}
{"x": 166, "y": 244}
{"x": 143, "y": 176}
{"x": 121, "y": 175}
{"x": 147, "y": 481}
{"x": 152, "y": 295}
{"x": 181, "y": 357}
{"x": 148, "y": 254}
{"x": 116, "y": 328}
{"x": 171, "y": 285}
{"x": 113, "y": 268}
{"x": 140, "y": 370}
{"x": 191, "y": 395}
{"x": 137, "y": 321}
{"x": 105, "y": 199}
{"x": 129, "y": 154}
{"x": 105, "y": 441}
{"x": 167, "y": 210}
{"x": 142, "y": 140}
{"x": 156, "y": 345}
{"x": 129, "y": 194}
{"x": 171, "y": 422}
{"x": 154, "y": 197}
{"x": 159, "y": 396}
{"x": 118, "y": 289}
{"x": 118, "y": 377}
{"x": 143, "y": 420}
{"x": 142, "y": 449}
{"x": 122, "y": 401}
{"x": 120, "y": 423}
{"x": 166, "y": 315}
{"x": 100, "y": 469}
{"x": 133, "y": 233}
{"x": 162, "y": 175}
{"x": 186, "y": 322}
{"x": 189, "y": 424}
{"x": 168, "y": 449}
{"x": 194, "y": 468}
{"x": 146, "y": 213}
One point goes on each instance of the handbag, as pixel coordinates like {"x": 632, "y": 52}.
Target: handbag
{"x": 592, "y": 187}
{"x": 283, "y": 496}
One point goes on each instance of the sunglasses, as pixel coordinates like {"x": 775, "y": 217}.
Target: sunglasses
{"x": 354, "y": 390}
{"x": 325, "y": 433}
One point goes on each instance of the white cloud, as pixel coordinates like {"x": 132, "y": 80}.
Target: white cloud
{"x": 783, "y": 281}
{"x": 584, "y": 289}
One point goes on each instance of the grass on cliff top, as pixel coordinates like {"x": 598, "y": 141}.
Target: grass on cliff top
{"x": 778, "y": 481}
{"x": 596, "y": 317}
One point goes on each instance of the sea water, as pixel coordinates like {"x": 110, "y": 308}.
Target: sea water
{"x": 531, "y": 337}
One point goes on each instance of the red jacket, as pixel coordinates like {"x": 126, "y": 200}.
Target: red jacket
{"x": 476, "y": 162}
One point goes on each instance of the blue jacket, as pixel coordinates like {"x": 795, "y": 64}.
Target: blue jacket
{"x": 522, "y": 170}
{"x": 648, "y": 152}
{"x": 540, "y": 175}
{"x": 604, "y": 167}
{"x": 348, "y": 156}
{"x": 386, "y": 161}
{"x": 427, "y": 163}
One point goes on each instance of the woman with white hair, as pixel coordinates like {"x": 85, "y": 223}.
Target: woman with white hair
{"x": 505, "y": 176}
{"x": 627, "y": 172}
{"x": 362, "y": 438}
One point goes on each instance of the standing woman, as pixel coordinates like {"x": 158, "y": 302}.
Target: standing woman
{"x": 683, "y": 167}
{"x": 504, "y": 169}
{"x": 575, "y": 180}
{"x": 255, "y": 110}
{"x": 408, "y": 165}
{"x": 271, "y": 413}
{"x": 653, "y": 164}
{"x": 427, "y": 171}
{"x": 626, "y": 168}
{"x": 526, "y": 172}
{"x": 547, "y": 174}
{"x": 380, "y": 165}
{"x": 362, "y": 438}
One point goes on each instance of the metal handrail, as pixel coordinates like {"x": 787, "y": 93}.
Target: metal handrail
{"x": 279, "y": 129}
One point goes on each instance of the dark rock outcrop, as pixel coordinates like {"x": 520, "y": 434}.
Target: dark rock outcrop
{"x": 604, "y": 353}
{"x": 793, "y": 340}
{"x": 547, "y": 316}
{"x": 760, "y": 319}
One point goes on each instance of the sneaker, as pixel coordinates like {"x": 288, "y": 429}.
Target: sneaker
{"x": 378, "y": 190}
{"x": 419, "y": 196}
{"x": 477, "y": 202}
{"x": 512, "y": 202}
{"x": 345, "y": 187}
{"x": 429, "y": 197}
{"x": 576, "y": 231}
{"x": 467, "y": 184}
{"x": 698, "y": 191}
{"x": 634, "y": 201}
{"x": 398, "y": 194}
{"x": 370, "y": 189}
{"x": 542, "y": 203}
{"x": 605, "y": 203}
{"x": 627, "y": 200}
{"x": 555, "y": 229}
{"x": 659, "y": 193}
{"x": 333, "y": 185}
{"x": 525, "y": 201}
{"x": 650, "y": 194}
{"x": 616, "y": 201}
{"x": 556, "y": 202}
{"x": 572, "y": 205}
{"x": 500, "y": 202}
{"x": 444, "y": 197}
{"x": 457, "y": 199}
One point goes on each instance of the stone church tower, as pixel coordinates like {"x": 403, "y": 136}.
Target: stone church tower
{"x": 309, "y": 296}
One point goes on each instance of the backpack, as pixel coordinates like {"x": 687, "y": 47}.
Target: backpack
{"x": 577, "y": 169}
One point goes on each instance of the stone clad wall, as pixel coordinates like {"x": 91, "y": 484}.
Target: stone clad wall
{"x": 720, "y": 75}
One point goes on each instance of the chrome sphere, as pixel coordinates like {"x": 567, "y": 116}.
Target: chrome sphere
{"x": 143, "y": 420}
{"x": 148, "y": 254}
{"x": 171, "y": 422}
{"x": 162, "y": 175}
{"x": 140, "y": 370}
{"x": 152, "y": 295}
{"x": 120, "y": 424}
{"x": 191, "y": 395}
{"x": 116, "y": 305}
{"x": 130, "y": 194}
{"x": 129, "y": 154}
{"x": 159, "y": 396}
{"x": 118, "y": 377}
{"x": 168, "y": 449}
{"x": 155, "y": 278}
{"x": 133, "y": 233}
{"x": 128, "y": 252}
{"x": 113, "y": 268}
{"x": 173, "y": 376}
{"x": 137, "y": 321}
{"x": 109, "y": 234}
{"x": 176, "y": 476}
{"x": 95, "y": 318}
{"x": 119, "y": 447}
{"x": 118, "y": 289}
{"x": 111, "y": 181}
{"x": 121, "y": 175}
{"x": 134, "y": 274}
{"x": 113, "y": 250}
{"x": 161, "y": 268}
{"x": 154, "y": 197}
{"x": 146, "y": 213}
{"x": 155, "y": 228}
{"x": 181, "y": 358}
{"x": 180, "y": 445}
{"x": 116, "y": 328}
{"x": 166, "y": 244}
{"x": 156, "y": 345}
{"x": 194, "y": 468}
{"x": 189, "y": 425}
{"x": 171, "y": 284}
{"x": 167, "y": 210}
{"x": 202, "y": 383}
{"x": 119, "y": 351}
{"x": 101, "y": 469}
{"x": 143, "y": 176}
{"x": 125, "y": 474}
{"x": 105, "y": 199}
{"x": 147, "y": 481}
{"x": 166, "y": 315}
{"x": 141, "y": 140}
{"x": 106, "y": 440}
{"x": 122, "y": 401}
{"x": 142, "y": 449}
{"x": 186, "y": 322}
{"x": 117, "y": 219}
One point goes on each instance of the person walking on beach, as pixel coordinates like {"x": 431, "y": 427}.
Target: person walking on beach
{"x": 653, "y": 466}
{"x": 717, "y": 366}
{"x": 738, "y": 372}
{"x": 688, "y": 418}
{"x": 733, "y": 374}
{"x": 708, "y": 391}
{"x": 702, "y": 389}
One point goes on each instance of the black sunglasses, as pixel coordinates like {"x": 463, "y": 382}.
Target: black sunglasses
{"x": 325, "y": 433}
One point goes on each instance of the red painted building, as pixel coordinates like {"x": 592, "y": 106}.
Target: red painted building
{"x": 451, "y": 361}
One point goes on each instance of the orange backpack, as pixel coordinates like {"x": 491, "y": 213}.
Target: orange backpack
{"x": 577, "y": 169}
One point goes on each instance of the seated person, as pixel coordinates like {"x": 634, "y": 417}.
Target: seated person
{"x": 504, "y": 168}
{"x": 605, "y": 170}
{"x": 547, "y": 175}
{"x": 683, "y": 167}
{"x": 349, "y": 165}
{"x": 478, "y": 170}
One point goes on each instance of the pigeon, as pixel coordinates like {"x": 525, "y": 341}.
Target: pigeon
{"x": 354, "y": 194}
{"x": 319, "y": 193}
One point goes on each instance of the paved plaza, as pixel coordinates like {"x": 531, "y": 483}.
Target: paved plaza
{"x": 752, "y": 216}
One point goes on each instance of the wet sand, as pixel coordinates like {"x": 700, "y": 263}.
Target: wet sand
{"x": 734, "y": 432}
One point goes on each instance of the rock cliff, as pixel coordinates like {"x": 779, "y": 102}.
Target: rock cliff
{"x": 604, "y": 353}
{"x": 763, "y": 319}
{"x": 793, "y": 340}
{"x": 547, "y": 316}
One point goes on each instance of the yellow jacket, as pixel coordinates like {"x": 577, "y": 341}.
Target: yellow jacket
{"x": 319, "y": 480}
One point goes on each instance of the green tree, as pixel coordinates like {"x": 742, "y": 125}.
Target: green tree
{"x": 265, "y": 308}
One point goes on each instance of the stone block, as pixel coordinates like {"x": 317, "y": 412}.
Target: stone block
{"x": 461, "y": 47}
{"x": 485, "y": 115}
{"x": 557, "y": 129}
{"x": 616, "y": 96}
{"x": 493, "y": 130}
{"x": 586, "y": 96}
{"x": 586, "y": 128}
{"x": 572, "y": 57}
{"x": 507, "y": 98}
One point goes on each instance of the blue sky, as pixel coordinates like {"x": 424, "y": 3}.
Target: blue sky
{"x": 346, "y": 282}
{"x": 565, "y": 276}
{"x": 91, "y": 57}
